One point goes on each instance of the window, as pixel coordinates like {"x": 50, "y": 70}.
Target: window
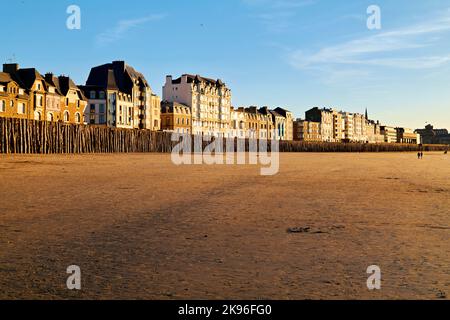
{"x": 39, "y": 86}
{"x": 92, "y": 95}
{"x": 66, "y": 116}
{"x": 11, "y": 103}
{"x": 77, "y": 117}
{"x": 102, "y": 95}
{"x": 92, "y": 119}
{"x": 92, "y": 108}
{"x": 3, "y": 106}
{"x": 37, "y": 116}
{"x": 102, "y": 108}
{"x": 21, "y": 108}
{"x": 50, "y": 116}
{"x": 102, "y": 119}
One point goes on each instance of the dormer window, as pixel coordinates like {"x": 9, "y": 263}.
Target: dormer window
{"x": 92, "y": 94}
{"x": 102, "y": 95}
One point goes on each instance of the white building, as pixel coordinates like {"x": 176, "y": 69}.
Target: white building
{"x": 209, "y": 100}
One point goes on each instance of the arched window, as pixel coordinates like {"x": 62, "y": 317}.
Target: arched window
{"x": 37, "y": 116}
{"x": 66, "y": 116}
{"x": 50, "y": 116}
{"x": 77, "y": 117}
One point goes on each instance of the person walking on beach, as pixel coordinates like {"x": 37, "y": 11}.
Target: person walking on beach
{"x": 418, "y": 155}
{"x": 421, "y": 155}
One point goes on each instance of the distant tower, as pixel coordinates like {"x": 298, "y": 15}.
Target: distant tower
{"x": 367, "y": 115}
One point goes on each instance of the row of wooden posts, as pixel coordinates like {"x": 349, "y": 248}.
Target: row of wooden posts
{"x": 42, "y": 137}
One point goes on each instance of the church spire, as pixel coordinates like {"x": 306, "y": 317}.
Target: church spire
{"x": 367, "y": 115}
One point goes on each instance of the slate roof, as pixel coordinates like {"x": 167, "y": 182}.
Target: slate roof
{"x": 198, "y": 79}
{"x": 116, "y": 75}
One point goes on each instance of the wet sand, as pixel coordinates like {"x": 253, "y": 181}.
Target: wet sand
{"x": 141, "y": 228}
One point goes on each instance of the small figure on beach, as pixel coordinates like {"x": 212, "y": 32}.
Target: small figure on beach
{"x": 418, "y": 155}
{"x": 421, "y": 155}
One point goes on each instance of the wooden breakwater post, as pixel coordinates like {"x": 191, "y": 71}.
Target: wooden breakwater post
{"x": 43, "y": 137}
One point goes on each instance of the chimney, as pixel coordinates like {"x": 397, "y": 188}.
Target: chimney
{"x": 168, "y": 79}
{"x": 120, "y": 64}
{"x": 10, "y": 67}
{"x": 49, "y": 77}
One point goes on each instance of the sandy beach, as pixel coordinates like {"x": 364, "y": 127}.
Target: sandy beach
{"x": 140, "y": 227}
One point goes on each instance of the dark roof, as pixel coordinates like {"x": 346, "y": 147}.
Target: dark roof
{"x": 116, "y": 75}
{"x": 198, "y": 79}
{"x": 167, "y": 107}
{"x": 282, "y": 111}
{"x": 27, "y": 77}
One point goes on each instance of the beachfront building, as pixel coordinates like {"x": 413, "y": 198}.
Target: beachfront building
{"x": 408, "y": 136}
{"x": 73, "y": 103}
{"x": 52, "y": 100}
{"x": 33, "y": 85}
{"x": 307, "y": 131}
{"x": 119, "y": 96}
{"x": 258, "y": 124}
{"x": 325, "y": 118}
{"x": 373, "y": 132}
{"x": 359, "y": 128}
{"x": 430, "y": 135}
{"x": 237, "y": 123}
{"x": 208, "y": 99}
{"x": 289, "y": 123}
{"x": 176, "y": 117}
{"x": 13, "y": 98}
{"x": 153, "y": 118}
{"x": 269, "y": 122}
{"x": 349, "y": 126}
{"x": 389, "y": 133}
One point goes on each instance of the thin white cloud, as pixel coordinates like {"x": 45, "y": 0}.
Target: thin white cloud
{"x": 372, "y": 50}
{"x": 276, "y": 15}
{"x": 123, "y": 27}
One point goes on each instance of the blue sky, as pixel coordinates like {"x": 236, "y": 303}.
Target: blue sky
{"x": 290, "y": 53}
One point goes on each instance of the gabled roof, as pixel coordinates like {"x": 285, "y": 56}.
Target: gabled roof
{"x": 282, "y": 111}
{"x": 27, "y": 77}
{"x": 116, "y": 75}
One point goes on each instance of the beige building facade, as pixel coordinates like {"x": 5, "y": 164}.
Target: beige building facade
{"x": 209, "y": 100}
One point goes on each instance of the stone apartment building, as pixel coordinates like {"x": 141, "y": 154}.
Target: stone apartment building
{"x": 373, "y": 131}
{"x": 73, "y": 101}
{"x": 13, "y": 98}
{"x": 53, "y": 100}
{"x": 359, "y": 128}
{"x": 430, "y": 135}
{"x": 307, "y": 131}
{"x": 237, "y": 123}
{"x": 288, "y": 123}
{"x": 389, "y": 133}
{"x": 258, "y": 123}
{"x": 33, "y": 85}
{"x": 121, "y": 97}
{"x": 408, "y": 136}
{"x": 176, "y": 117}
{"x": 327, "y": 122}
{"x": 269, "y": 120}
{"x": 209, "y": 100}
{"x": 33, "y": 96}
